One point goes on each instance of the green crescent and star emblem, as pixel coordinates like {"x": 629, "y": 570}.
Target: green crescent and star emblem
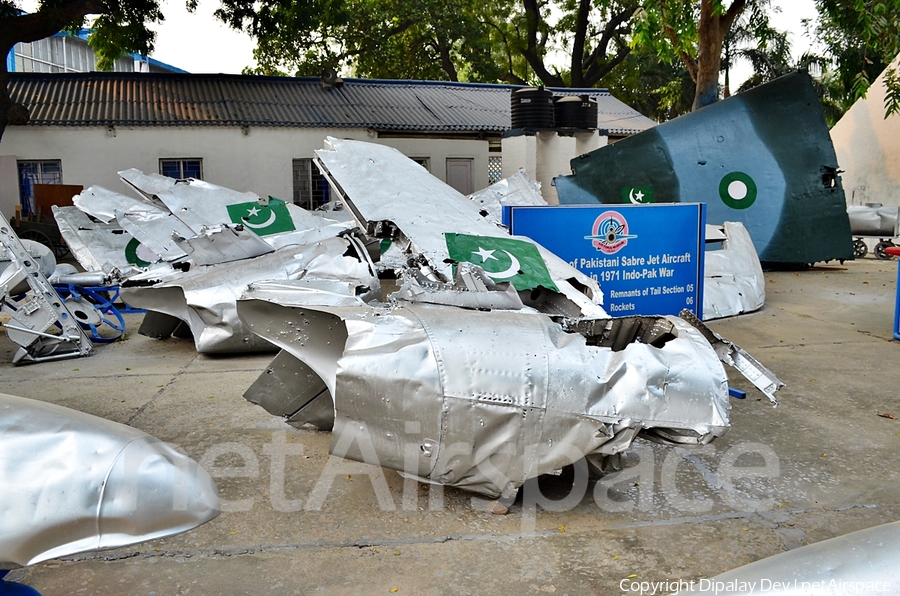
{"x": 637, "y": 195}
{"x": 503, "y": 259}
{"x": 263, "y": 220}
{"x": 737, "y": 190}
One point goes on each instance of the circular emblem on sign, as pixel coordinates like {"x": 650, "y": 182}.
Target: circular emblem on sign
{"x": 737, "y": 190}
{"x": 139, "y": 255}
{"x": 609, "y": 234}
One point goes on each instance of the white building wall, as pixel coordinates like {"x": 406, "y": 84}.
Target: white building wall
{"x": 258, "y": 160}
{"x": 545, "y": 155}
{"x": 868, "y": 150}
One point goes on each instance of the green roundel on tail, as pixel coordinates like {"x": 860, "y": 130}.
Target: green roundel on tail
{"x": 737, "y": 190}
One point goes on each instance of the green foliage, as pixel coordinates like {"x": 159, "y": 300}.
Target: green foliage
{"x": 123, "y": 29}
{"x": 694, "y": 32}
{"x": 860, "y": 37}
{"x": 658, "y": 89}
{"x": 892, "y": 101}
{"x": 427, "y": 39}
{"x": 668, "y": 28}
{"x": 551, "y": 42}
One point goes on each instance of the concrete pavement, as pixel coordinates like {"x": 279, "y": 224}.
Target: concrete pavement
{"x": 821, "y": 464}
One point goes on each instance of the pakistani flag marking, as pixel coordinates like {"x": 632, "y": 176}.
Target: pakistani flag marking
{"x": 503, "y": 259}
{"x": 637, "y": 195}
{"x": 737, "y": 190}
{"x": 263, "y": 220}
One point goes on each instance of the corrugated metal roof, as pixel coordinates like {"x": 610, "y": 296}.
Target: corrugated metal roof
{"x": 157, "y": 99}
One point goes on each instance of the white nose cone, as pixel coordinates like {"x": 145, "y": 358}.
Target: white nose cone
{"x": 73, "y": 482}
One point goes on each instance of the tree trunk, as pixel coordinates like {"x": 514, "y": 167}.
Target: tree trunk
{"x": 712, "y": 31}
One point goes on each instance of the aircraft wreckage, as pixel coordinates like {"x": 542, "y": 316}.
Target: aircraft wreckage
{"x": 74, "y": 483}
{"x": 494, "y": 359}
{"x": 186, "y": 249}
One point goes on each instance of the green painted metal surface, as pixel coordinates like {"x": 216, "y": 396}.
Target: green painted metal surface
{"x": 763, "y": 158}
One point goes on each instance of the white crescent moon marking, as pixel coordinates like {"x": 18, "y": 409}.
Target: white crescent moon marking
{"x": 265, "y": 224}
{"x": 145, "y": 254}
{"x": 631, "y": 197}
{"x": 507, "y": 273}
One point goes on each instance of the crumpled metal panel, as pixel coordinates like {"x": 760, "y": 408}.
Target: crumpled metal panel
{"x": 103, "y": 204}
{"x": 491, "y": 399}
{"x": 157, "y": 231}
{"x": 733, "y": 355}
{"x": 199, "y": 203}
{"x": 883, "y": 222}
{"x": 862, "y": 562}
{"x": 73, "y": 482}
{"x": 97, "y": 246}
{"x": 204, "y": 297}
{"x": 733, "y": 281}
{"x": 516, "y": 190}
{"x": 472, "y": 289}
{"x": 290, "y": 389}
{"x": 379, "y": 186}
{"x": 223, "y": 244}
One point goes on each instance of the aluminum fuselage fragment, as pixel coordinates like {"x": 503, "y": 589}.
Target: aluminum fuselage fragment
{"x": 733, "y": 276}
{"x": 73, "y": 482}
{"x": 204, "y": 297}
{"x": 486, "y": 400}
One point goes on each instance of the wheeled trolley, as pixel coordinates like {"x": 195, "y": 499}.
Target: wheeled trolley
{"x": 873, "y": 221}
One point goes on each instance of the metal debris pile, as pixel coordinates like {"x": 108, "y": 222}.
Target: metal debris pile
{"x": 494, "y": 359}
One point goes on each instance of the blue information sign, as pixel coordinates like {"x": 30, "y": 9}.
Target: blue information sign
{"x": 648, "y": 259}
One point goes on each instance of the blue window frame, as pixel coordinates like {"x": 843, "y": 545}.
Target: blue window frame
{"x": 182, "y": 167}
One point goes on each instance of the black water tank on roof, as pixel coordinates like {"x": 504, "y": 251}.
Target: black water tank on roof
{"x": 532, "y": 108}
{"x": 576, "y": 112}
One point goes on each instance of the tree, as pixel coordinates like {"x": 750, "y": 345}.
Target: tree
{"x": 861, "y": 38}
{"x": 693, "y": 32}
{"x": 656, "y": 88}
{"x": 594, "y": 36}
{"x": 417, "y": 39}
{"x": 551, "y": 42}
{"x": 752, "y": 39}
{"x": 120, "y": 26}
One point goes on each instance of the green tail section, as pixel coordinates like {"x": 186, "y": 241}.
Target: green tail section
{"x": 763, "y": 158}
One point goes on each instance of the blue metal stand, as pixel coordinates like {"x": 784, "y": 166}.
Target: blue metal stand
{"x": 14, "y": 589}
{"x": 101, "y": 298}
{"x": 894, "y": 251}
{"x": 897, "y": 307}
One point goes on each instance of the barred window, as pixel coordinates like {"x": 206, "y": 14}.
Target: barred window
{"x": 310, "y": 188}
